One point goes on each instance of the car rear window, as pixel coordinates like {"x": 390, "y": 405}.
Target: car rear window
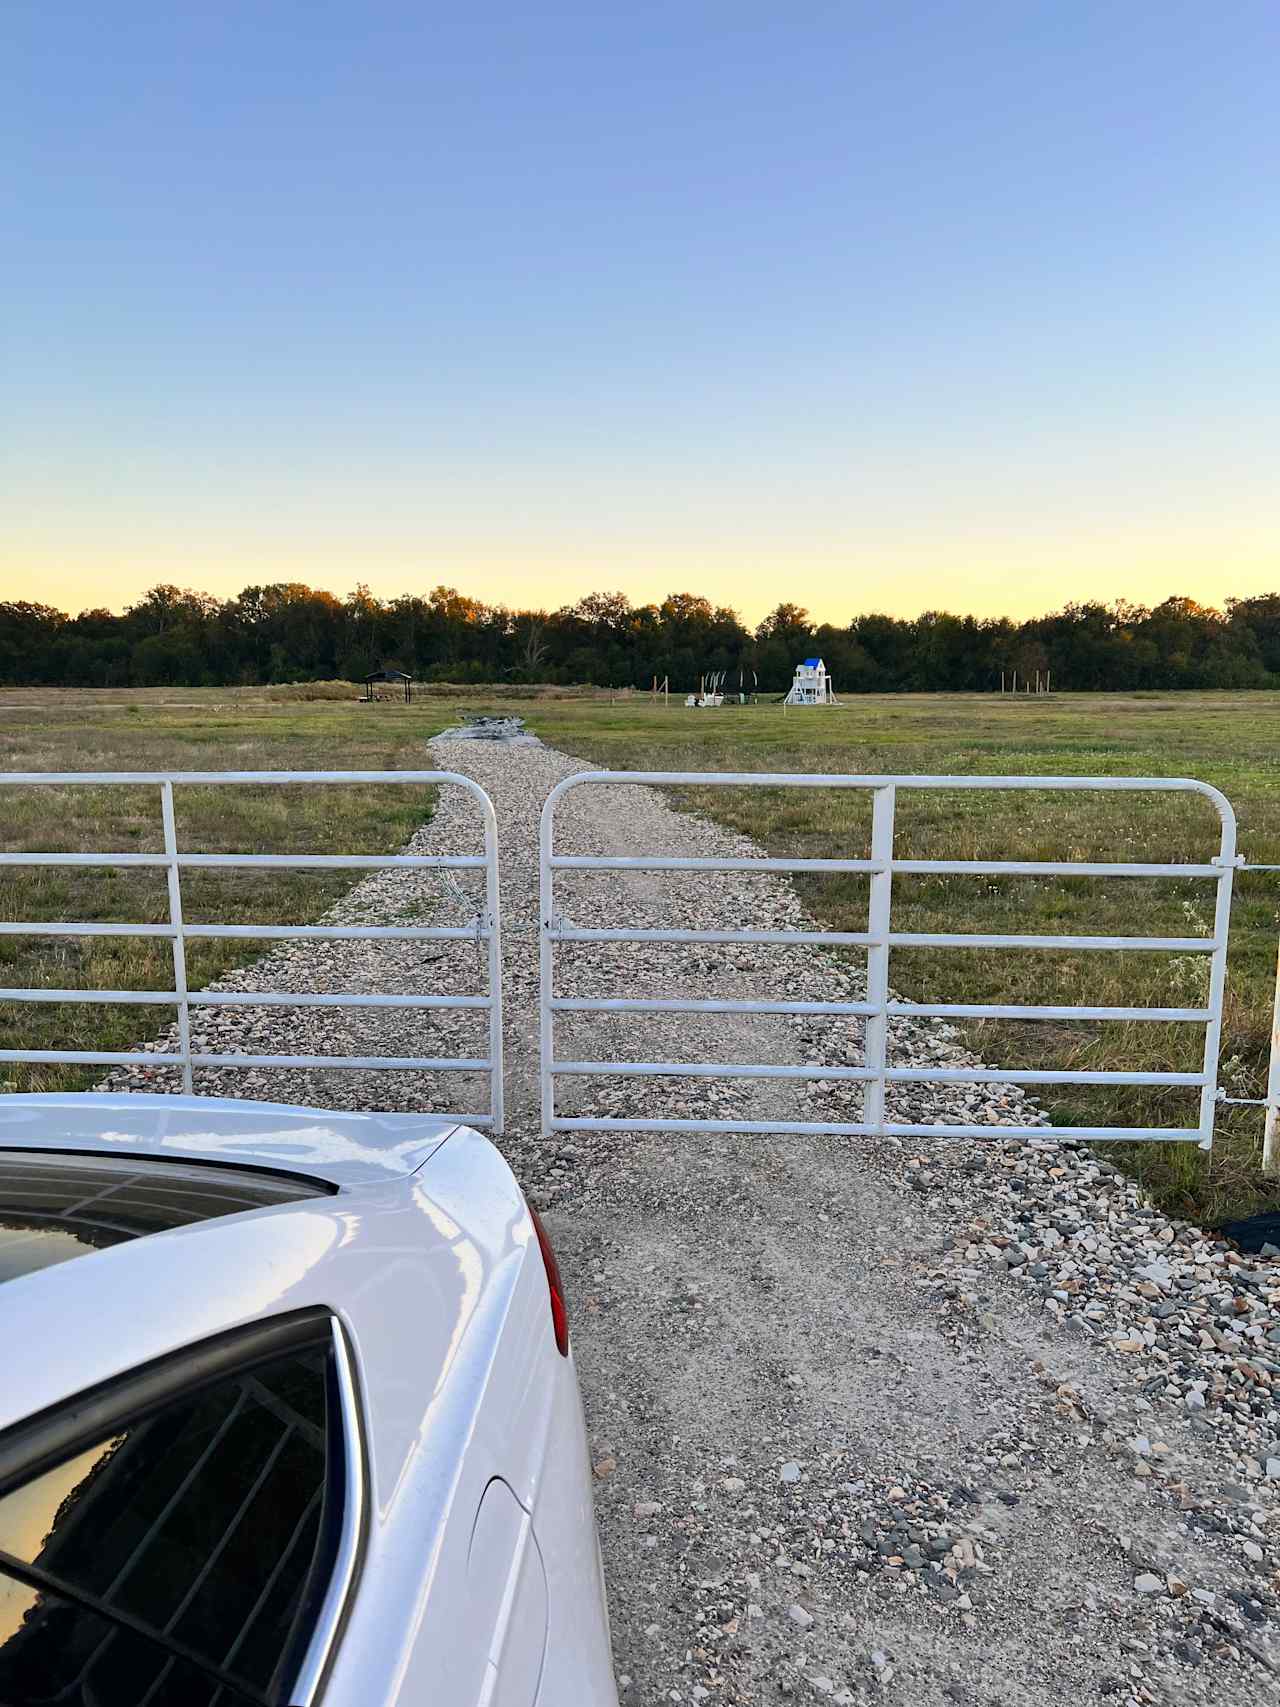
{"x": 180, "y": 1559}
{"x": 55, "y": 1206}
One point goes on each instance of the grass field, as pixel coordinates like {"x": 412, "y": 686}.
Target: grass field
{"x": 1231, "y": 740}
{"x": 178, "y": 729}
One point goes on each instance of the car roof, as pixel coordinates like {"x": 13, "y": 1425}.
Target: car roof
{"x": 346, "y": 1149}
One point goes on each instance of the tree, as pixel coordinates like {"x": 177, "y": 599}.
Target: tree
{"x": 286, "y": 630}
{"x": 531, "y": 645}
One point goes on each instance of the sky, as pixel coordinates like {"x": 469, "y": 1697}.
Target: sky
{"x": 867, "y": 306}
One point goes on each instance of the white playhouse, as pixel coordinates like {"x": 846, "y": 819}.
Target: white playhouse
{"x": 812, "y": 685}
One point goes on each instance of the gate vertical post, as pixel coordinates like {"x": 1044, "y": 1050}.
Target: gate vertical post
{"x": 546, "y": 963}
{"x": 1217, "y": 980}
{"x": 1271, "y": 1132}
{"x": 493, "y": 918}
{"x": 179, "y": 940}
{"x": 876, "y": 1034}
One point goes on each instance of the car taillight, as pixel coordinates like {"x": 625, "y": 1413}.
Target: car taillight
{"x": 559, "y": 1314}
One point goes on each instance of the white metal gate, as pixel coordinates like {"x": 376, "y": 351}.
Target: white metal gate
{"x": 878, "y": 940}
{"x": 484, "y": 929}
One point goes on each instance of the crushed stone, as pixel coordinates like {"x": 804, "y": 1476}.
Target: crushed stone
{"x": 961, "y": 1345}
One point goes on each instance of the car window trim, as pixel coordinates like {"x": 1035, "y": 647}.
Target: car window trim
{"x": 311, "y": 1671}
{"x": 41, "y": 1441}
{"x": 145, "y": 1158}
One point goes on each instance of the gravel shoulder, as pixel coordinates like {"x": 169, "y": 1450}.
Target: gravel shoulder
{"x": 928, "y": 1420}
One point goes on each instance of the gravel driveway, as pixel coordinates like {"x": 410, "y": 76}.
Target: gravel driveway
{"x": 926, "y": 1421}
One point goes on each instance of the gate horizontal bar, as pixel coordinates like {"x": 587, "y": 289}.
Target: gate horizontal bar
{"x": 895, "y": 1075}
{"x": 157, "y": 1058}
{"x": 917, "y": 867}
{"x": 403, "y": 1063}
{"x": 258, "y": 862}
{"x": 266, "y": 933}
{"x": 341, "y": 933}
{"x": 574, "y": 933}
{"x": 123, "y": 861}
{"x": 333, "y": 862}
{"x": 895, "y": 1010}
{"x": 895, "y": 939}
{"x": 568, "y": 862}
{"x": 997, "y": 1010}
{"x": 1036, "y": 1076}
{"x": 950, "y": 939}
{"x": 638, "y": 1005}
{"x": 1048, "y": 868}
{"x": 217, "y": 779}
{"x": 41, "y": 928}
{"x": 95, "y": 1057}
{"x": 242, "y": 998}
{"x": 140, "y": 998}
{"x": 962, "y": 784}
{"x": 858, "y": 1129}
{"x": 314, "y": 999}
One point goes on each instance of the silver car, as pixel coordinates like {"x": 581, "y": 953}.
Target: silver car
{"x": 288, "y": 1414}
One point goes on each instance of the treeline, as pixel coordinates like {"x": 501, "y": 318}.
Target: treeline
{"x": 289, "y": 632}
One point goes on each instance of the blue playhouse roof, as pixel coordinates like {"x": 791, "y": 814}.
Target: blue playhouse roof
{"x": 812, "y": 663}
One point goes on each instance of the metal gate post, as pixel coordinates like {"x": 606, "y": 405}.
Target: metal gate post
{"x": 1226, "y": 859}
{"x": 546, "y": 963}
{"x": 493, "y": 920}
{"x": 876, "y": 1035}
{"x": 1271, "y": 1131}
{"x": 179, "y": 939}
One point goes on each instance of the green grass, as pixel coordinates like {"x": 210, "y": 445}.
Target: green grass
{"x": 1232, "y": 740}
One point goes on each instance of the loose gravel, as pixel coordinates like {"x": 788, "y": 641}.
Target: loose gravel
{"x": 933, "y": 1420}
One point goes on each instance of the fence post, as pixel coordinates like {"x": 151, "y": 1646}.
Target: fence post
{"x": 876, "y": 1034}
{"x": 1271, "y": 1132}
{"x": 179, "y": 940}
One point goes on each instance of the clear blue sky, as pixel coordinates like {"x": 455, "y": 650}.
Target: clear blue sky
{"x": 867, "y": 306}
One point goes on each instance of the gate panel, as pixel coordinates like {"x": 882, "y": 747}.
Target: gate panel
{"x": 878, "y": 940}
{"x": 485, "y": 928}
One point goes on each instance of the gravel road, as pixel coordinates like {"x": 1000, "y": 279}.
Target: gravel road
{"x": 933, "y": 1421}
